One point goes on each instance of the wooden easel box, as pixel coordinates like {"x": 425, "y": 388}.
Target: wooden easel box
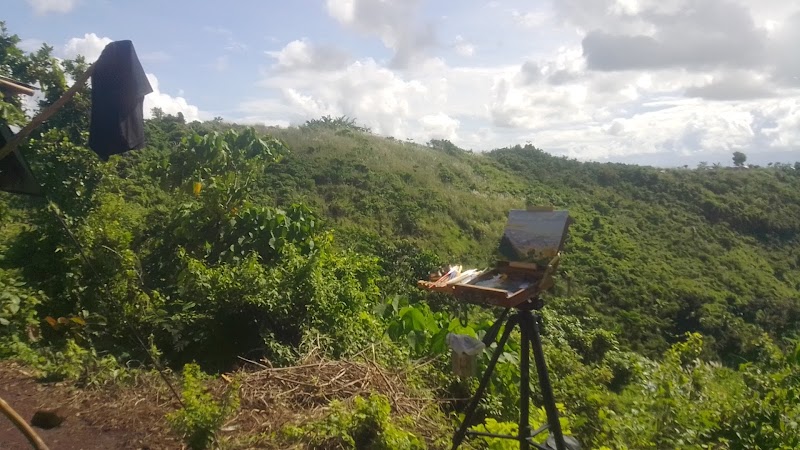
{"x": 483, "y": 295}
{"x": 532, "y": 257}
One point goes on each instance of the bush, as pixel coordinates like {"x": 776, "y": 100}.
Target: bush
{"x": 367, "y": 426}
{"x": 201, "y": 417}
{"x": 17, "y": 311}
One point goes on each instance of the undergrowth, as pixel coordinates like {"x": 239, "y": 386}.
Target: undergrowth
{"x": 202, "y": 416}
{"x": 365, "y": 426}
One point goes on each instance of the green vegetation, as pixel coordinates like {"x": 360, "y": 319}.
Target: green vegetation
{"x": 202, "y": 416}
{"x": 675, "y": 321}
{"x": 365, "y": 426}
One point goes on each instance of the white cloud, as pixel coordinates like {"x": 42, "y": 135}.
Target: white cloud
{"x": 395, "y": 22}
{"x": 678, "y": 90}
{"x": 55, "y": 6}
{"x": 439, "y": 126}
{"x": 302, "y": 55}
{"x": 256, "y": 120}
{"x": 169, "y": 104}
{"x": 90, "y": 46}
{"x": 463, "y": 47}
{"x": 532, "y": 19}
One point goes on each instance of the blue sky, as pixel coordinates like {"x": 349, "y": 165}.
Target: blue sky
{"x": 664, "y": 82}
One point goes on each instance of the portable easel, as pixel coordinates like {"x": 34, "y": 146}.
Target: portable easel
{"x": 531, "y": 244}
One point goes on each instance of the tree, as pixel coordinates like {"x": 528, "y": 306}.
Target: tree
{"x": 739, "y": 158}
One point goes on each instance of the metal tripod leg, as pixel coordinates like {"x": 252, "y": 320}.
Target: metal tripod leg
{"x": 525, "y": 322}
{"x": 544, "y": 380}
{"x": 470, "y": 411}
{"x": 529, "y": 324}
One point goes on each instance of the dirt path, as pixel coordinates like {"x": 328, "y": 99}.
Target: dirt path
{"x": 95, "y": 420}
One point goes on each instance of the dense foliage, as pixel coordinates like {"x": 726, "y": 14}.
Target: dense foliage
{"x": 674, "y": 323}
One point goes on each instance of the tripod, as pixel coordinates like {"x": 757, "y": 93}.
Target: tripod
{"x": 529, "y": 323}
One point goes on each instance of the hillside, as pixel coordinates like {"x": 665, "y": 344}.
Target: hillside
{"x": 219, "y": 248}
{"x": 657, "y": 253}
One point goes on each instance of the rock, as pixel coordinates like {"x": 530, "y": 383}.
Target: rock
{"x": 47, "y": 418}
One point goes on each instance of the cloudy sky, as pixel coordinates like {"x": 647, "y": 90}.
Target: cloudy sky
{"x": 664, "y": 82}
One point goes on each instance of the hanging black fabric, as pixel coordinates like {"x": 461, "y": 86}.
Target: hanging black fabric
{"x": 119, "y": 85}
{"x": 15, "y": 175}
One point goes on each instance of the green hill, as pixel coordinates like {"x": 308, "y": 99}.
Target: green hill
{"x": 657, "y": 252}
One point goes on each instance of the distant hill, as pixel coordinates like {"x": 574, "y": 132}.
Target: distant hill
{"x": 657, "y": 252}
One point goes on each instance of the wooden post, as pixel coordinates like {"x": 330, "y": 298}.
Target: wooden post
{"x": 12, "y": 415}
{"x": 46, "y": 114}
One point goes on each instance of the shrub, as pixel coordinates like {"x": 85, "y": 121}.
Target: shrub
{"x": 17, "y": 309}
{"x": 201, "y": 417}
{"x": 367, "y": 426}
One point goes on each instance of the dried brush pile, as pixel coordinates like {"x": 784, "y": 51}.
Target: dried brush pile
{"x": 272, "y": 397}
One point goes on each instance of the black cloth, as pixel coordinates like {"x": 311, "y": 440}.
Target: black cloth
{"x": 119, "y": 85}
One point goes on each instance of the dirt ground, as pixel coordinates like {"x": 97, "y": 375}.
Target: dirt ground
{"x": 132, "y": 418}
{"x": 131, "y": 415}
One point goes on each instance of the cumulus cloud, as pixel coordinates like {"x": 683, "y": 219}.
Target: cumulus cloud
{"x": 169, "y": 104}
{"x": 732, "y": 86}
{"x": 375, "y": 95}
{"x": 439, "y": 126}
{"x": 706, "y": 36}
{"x": 90, "y": 46}
{"x": 784, "y": 51}
{"x": 395, "y": 22}
{"x": 55, "y": 6}
{"x": 463, "y": 47}
{"x": 709, "y": 33}
{"x": 677, "y": 80}
{"x": 531, "y": 19}
{"x": 302, "y": 55}
{"x": 408, "y": 104}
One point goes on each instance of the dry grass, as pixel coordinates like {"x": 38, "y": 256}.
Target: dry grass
{"x": 273, "y": 397}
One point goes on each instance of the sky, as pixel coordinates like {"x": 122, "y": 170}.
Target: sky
{"x": 657, "y": 82}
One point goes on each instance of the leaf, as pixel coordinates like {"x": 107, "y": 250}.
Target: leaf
{"x": 413, "y": 340}
{"x": 380, "y": 309}
{"x": 439, "y": 341}
{"x": 396, "y": 304}
{"x": 4, "y": 321}
{"x": 78, "y": 320}
{"x": 52, "y": 322}
{"x": 394, "y": 330}
{"x": 413, "y": 319}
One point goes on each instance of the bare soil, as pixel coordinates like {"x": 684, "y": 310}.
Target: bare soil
{"x": 130, "y": 417}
